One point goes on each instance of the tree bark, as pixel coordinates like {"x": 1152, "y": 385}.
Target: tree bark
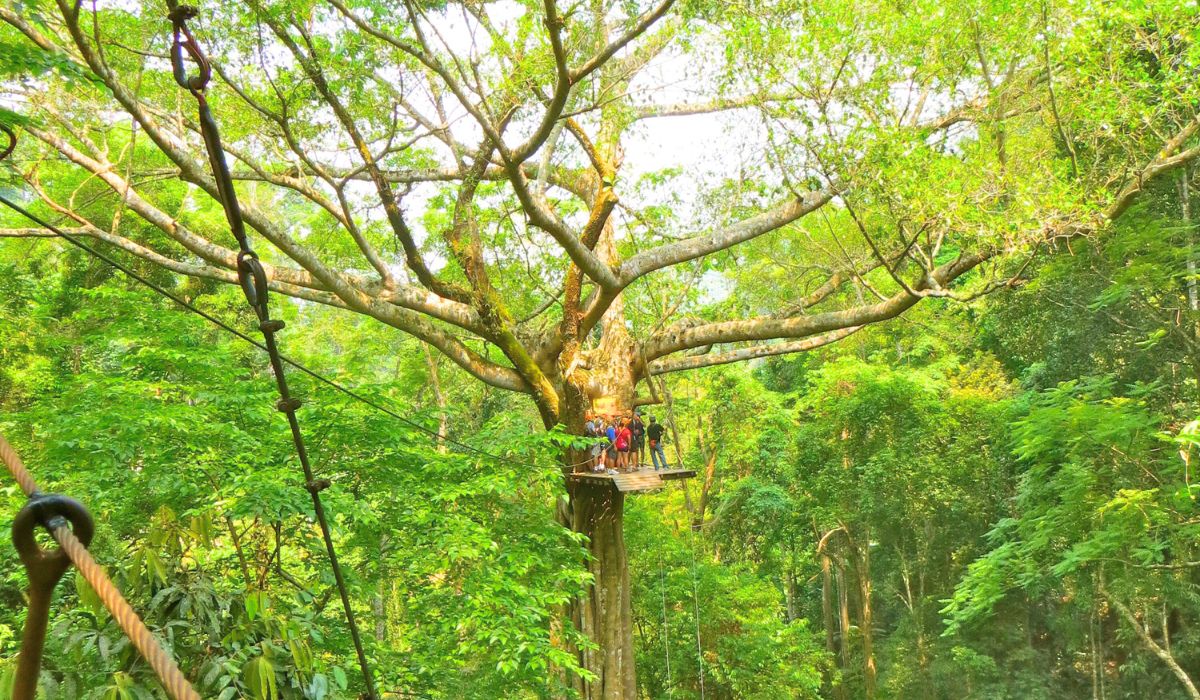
{"x": 379, "y": 600}
{"x": 789, "y": 593}
{"x": 1162, "y": 652}
{"x": 1193, "y": 296}
{"x": 439, "y": 397}
{"x": 862, "y": 567}
{"x": 605, "y": 612}
{"x": 827, "y": 594}
{"x": 710, "y": 470}
{"x": 843, "y": 613}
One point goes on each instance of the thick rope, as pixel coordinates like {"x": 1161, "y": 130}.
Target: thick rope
{"x": 17, "y": 468}
{"x": 172, "y": 679}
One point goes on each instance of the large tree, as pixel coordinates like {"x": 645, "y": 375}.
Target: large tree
{"x": 567, "y": 198}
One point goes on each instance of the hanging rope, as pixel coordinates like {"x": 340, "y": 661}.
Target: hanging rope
{"x": 662, "y": 586}
{"x": 696, "y": 607}
{"x": 71, "y": 526}
{"x": 253, "y": 280}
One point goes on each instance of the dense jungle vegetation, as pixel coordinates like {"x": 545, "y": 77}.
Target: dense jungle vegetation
{"x": 912, "y": 285}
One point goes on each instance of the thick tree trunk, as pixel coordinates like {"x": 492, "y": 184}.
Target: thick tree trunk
{"x": 605, "y": 613}
{"x": 863, "y": 567}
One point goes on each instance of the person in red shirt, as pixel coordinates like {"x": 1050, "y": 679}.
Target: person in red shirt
{"x": 624, "y": 443}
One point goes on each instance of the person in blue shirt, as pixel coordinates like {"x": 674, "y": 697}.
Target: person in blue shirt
{"x": 612, "y": 445}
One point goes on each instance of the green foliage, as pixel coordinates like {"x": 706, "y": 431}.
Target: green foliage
{"x": 165, "y": 428}
{"x": 696, "y": 610}
{"x": 957, "y": 504}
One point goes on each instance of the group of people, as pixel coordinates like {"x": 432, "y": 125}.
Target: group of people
{"x": 624, "y": 442}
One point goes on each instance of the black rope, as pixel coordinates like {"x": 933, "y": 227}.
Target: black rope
{"x": 253, "y": 280}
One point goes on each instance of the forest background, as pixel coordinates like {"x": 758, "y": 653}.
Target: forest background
{"x": 988, "y": 496}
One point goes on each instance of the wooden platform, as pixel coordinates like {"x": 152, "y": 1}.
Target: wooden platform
{"x": 646, "y": 479}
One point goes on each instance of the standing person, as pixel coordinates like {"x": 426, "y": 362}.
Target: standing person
{"x": 611, "y": 433}
{"x": 595, "y": 429}
{"x": 624, "y": 443}
{"x": 638, "y": 428}
{"x": 655, "y": 433}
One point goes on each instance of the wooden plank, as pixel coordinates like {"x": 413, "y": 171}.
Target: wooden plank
{"x": 637, "y": 481}
{"x": 633, "y": 482}
{"x": 671, "y": 474}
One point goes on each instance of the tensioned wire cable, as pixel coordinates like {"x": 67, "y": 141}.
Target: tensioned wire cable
{"x": 333, "y": 384}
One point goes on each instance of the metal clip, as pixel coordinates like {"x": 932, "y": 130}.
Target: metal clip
{"x": 45, "y": 568}
{"x": 290, "y": 404}
{"x": 253, "y": 280}
{"x": 184, "y": 41}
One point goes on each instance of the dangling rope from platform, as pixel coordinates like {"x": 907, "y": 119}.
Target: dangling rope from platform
{"x": 253, "y": 281}
{"x": 696, "y": 606}
{"x": 662, "y": 587}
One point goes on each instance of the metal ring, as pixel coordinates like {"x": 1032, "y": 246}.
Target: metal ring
{"x": 46, "y": 510}
{"x": 184, "y": 41}
{"x": 12, "y": 141}
{"x": 253, "y": 280}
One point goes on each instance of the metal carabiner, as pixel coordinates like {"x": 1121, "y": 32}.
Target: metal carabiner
{"x": 45, "y": 569}
{"x": 253, "y": 280}
{"x": 184, "y": 41}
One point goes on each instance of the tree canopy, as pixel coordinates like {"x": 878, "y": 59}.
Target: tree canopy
{"x": 912, "y": 285}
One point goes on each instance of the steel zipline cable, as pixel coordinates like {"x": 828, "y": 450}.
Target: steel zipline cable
{"x": 58, "y": 513}
{"x": 295, "y": 364}
{"x": 75, "y": 549}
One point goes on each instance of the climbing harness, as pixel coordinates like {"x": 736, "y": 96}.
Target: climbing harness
{"x": 253, "y": 281}
{"x": 71, "y": 526}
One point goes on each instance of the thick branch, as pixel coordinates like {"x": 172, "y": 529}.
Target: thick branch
{"x": 644, "y": 22}
{"x": 1163, "y": 654}
{"x": 699, "y": 246}
{"x": 750, "y": 353}
{"x": 767, "y": 328}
